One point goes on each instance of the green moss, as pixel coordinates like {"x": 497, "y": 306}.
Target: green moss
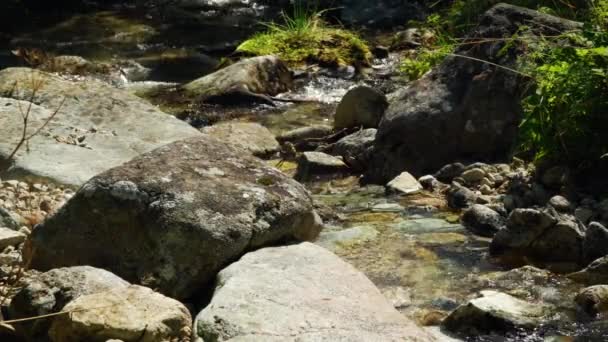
{"x": 319, "y": 44}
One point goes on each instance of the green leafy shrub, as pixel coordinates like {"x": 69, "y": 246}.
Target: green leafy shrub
{"x": 566, "y": 116}
{"x": 303, "y": 37}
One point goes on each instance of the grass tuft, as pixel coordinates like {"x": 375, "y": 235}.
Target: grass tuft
{"x": 304, "y": 37}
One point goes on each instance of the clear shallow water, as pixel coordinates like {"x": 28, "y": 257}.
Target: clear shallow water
{"x": 427, "y": 264}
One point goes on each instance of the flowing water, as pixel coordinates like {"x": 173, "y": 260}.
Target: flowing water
{"x": 412, "y": 248}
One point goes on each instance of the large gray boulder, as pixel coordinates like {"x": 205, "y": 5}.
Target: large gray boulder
{"x": 97, "y": 127}
{"x": 49, "y": 292}
{"x": 482, "y": 220}
{"x": 355, "y": 149}
{"x": 463, "y": 109}
{"x": 131, "y": 314}
{"x": 242, "y": 81}
{"x": 299, "y": 293}
{"x": 361, "y": 106}
{"x": 172, "y": 218}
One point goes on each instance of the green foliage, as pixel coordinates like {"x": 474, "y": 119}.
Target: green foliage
{"x": 433, "y": 53}
{"x": 566, "y": 116}
{"x": 303, "y": 37}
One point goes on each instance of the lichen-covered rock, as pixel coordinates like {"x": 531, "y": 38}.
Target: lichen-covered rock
{"x": 170, "y": 219}
{"x": 360, "y": 107}
{"x": 299, "y": 293}
{"x": 49, "y": 292}
{"x": 131, "y": 314}
{"x": 264, "y": 75}
{"x": 250, "y": 136}
{"x": 462, "y": 109}
{"x": 96, "y": 127}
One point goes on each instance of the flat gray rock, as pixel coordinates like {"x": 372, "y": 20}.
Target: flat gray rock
{"x": 97, "y": 127}
{"x": 9, "y": 237}
{"x": 250, "y": 136}
{"x": 300, "y": 293}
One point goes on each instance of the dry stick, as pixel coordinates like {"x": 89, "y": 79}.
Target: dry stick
{"x": 20, "y": 320}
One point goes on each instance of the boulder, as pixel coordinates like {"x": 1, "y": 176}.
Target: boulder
{"x": 560, "y": 203}
{"x": 450, "y": 171}
{"x": 463, "y": 109}
{"x": 595, "y": 273}
{"x": 131, "y": 314}
{"x": 362, "y": 106}
{"x": 49, "y": 292}
{"x": 172, "y": 218}
{"x": 248, "y": 80}
{"x": 523, "y": 227}
{"x": 595, "y": 244}
{"x": 405, "y": 183}
{"x": 593, "y": 300}
{"x": 494, "y": 312}
{"x": 473, "y": 176}
{"x": 482, "y": 220}
{"x": 96, "y": 127}
{"x": 562, "y": 242}
{"x": 299, "y": 293}
{"x": 312, "y": 164}
{"x": 555, "y": 177}
{"x": 9, "y": 237}
{"x": 355, "y": 149}
{"x": 460, "y": 197}
{"x": 250, "y": 136}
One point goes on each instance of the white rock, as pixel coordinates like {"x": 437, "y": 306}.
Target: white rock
{"x": 9, "y": 237}
{"x": 404, "y": 183}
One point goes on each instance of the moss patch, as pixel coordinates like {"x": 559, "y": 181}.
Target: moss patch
{"x": 323, "y": 45}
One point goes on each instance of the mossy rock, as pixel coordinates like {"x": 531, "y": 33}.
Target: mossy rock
{"x": 322, "y": 45}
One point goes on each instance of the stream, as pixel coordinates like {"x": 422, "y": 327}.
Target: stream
{"x": 412, "y": 247}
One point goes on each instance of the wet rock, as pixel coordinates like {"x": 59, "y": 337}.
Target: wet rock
{"x": 427, "y": 225}
{"x": 562, "y": 242}
{"x": 595, "y": 244}
{"x": 341, "y": 238}
{"x": 405, "y": 183}
{"x": 447, "y": 173}
{"x": 249, "y": 136}
{"x": 299, "y": 292}
{"x": 362, "y": 106}
{"x": 430, "y": 183}
{"x": 460, "y": 197}
{"x": 165, "y": 234}
{"x": 482, "y": 220}
{"x": 246, "y": 81}
{"x": 555, "y": 176}
{"x": 524, "y": 226}
{"x": 595, "y": 273}
{"x": 312, "y": 164}
{"x": 116, "y": 126}
{"x": 462, "y": 109}
{"x": 131, "y": 314}
{"x": 410, "y": 38}
{"x": 355, "y": 149}
{"x": 560, "y": 203}
{"x": 9, "y": 237}
{"x": 380, "y": 51}
{"x": 593, "y": 300}
{"x": 303, "y": 133}
{"x": 494, "y": 312}
{"x": 49, "y": 292}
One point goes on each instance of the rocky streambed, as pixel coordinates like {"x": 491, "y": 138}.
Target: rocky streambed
{"x": 140, "y": 226}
